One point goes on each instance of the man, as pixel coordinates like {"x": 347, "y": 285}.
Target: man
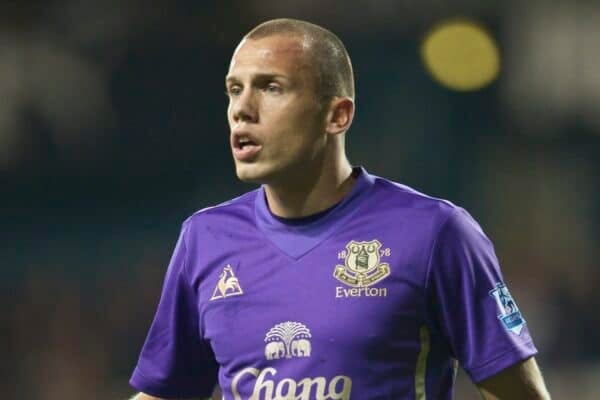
{"x": 326, "y": 282}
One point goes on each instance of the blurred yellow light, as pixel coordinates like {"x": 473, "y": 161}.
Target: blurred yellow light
{"x": 461, "y": 55}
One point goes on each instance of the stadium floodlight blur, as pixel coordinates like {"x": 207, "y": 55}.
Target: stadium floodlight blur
{"x": 461, "y": 55}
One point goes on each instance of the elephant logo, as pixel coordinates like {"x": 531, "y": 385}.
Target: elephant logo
{"x": 274, "y": 350}
{"x": 287, "y": 340}
{"x": 227, "y": 285}
{"x": 301, "y": 348}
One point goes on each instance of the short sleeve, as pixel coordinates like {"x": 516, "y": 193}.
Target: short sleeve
{"x": 174, "y": 361}
{"x": 469, "y": 302}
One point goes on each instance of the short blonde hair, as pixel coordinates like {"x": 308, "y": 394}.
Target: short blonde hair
{"x": 335, "y": 77}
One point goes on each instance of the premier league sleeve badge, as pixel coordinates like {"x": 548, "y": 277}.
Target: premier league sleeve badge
{"x": 509, "y": 312}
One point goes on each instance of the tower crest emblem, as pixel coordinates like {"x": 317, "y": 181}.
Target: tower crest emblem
{"x": 227, "y": 285}
{"x": 287, "y": 340}
{"x": 362, "y": 264}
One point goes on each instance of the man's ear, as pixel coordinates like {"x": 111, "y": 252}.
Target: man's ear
{"x": 339, "y": 115}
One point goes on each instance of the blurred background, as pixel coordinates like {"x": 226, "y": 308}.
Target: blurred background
{"x": 113, "y": 131}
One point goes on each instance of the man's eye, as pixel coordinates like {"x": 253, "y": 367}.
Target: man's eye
{"x": 273, "y": 88}
{"x": 234, "y": 91}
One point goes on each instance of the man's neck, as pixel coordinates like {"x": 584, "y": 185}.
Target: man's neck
{"x": 313, "y": 193}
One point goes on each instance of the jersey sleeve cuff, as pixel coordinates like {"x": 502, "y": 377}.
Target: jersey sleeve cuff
{"x": 202, "y": 387}
{"x": 500, "y": 363}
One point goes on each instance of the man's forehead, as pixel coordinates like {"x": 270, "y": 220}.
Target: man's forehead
{"x": 275, "y": 50}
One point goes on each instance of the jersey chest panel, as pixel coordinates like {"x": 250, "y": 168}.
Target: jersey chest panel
{"x": 351, "y": 307}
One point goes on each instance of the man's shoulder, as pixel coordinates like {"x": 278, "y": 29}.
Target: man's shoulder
{"x": 238, "y": 207}
{"x": 394, "y": 195}
{"x": 425, "y": 210}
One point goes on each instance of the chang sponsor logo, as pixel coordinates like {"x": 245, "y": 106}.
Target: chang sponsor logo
{"x": 265, "y": 387}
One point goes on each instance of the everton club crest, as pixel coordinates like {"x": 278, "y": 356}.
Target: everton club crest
{"x": 362, "y": 266}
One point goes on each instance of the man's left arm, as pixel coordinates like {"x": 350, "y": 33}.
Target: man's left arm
{"x": 522, "y": 381}
{"x": 471, "y": 306}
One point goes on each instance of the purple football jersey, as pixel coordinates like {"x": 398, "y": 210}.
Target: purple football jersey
{"x": 378, "y": 298}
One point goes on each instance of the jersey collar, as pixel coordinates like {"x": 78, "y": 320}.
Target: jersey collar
{"x": 298, "y": 239}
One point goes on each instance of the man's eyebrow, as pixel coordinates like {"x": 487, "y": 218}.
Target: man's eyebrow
{"x": 256, "y": 77}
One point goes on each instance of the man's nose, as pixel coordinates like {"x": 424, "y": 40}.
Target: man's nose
{"x": 245, "y": 108}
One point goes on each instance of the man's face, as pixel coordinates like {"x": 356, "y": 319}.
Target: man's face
{"x": 276, "y": 123}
